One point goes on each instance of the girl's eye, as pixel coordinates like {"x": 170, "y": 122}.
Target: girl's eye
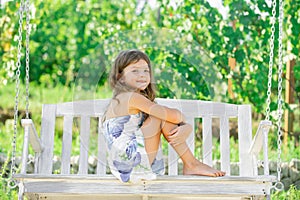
{"x": 146, "y": 70}
{"x": 134, "y": 70}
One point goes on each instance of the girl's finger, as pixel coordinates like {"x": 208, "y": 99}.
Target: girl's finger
{"x": 174, "y": 135}
{"x": 173, "y": 131}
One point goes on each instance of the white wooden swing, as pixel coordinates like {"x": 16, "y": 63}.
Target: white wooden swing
{"x": 44, "y": 184}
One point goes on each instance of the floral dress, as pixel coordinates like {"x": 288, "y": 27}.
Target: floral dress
{"x": 127, "y": 157}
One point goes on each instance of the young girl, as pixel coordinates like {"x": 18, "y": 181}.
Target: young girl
{"x": 133, "y": 124}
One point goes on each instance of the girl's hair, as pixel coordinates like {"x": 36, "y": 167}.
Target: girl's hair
{"x": 124, "y": 59}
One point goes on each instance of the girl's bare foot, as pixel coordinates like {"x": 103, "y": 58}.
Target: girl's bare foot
{"x": 198, "y": 168}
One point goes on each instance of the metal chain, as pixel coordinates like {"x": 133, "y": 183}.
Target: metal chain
{"x": 280, "y": 101}
{"x": 11, "y": 182}
{"x": 27, "y": 57}
{"x": 273, "y": 20}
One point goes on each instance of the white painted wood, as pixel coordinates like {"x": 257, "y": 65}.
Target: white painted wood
{"x": 265, "y": 147}
{"x": 254, "y": 161}
{"x": 66, "y": 144}
{"x": 43, "y": 184}
{"x": 47, "y": 138}
{"x": 92, "y": 108}
{"x": 101, "y": 162}
{"x": 138, "y": 197}
{"x": 257, "y": 142}
{"x": 25, "y": 152}
{"x": 33, "y": 136}
{"x": 216, "y": 109}
{"x": 207, "y": 140}
{"x": 261, "y": 141}
{"x": 245, "y": 138}
{"x": 163, "y": 186}
{"x": 84, "y": 144}
{"x": 225, "y": 144}
{"x": 191, "y": 139}
{"x": 172, "y": 161}
{"x": 200, "y": 108}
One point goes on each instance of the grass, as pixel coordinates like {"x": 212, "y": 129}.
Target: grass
{"x": 291, "y": 194}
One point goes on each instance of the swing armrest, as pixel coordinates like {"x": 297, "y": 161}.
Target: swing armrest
{"x": 258, "y": 140}
{"x": 33, "y": 136}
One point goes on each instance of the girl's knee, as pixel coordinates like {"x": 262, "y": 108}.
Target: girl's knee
{"x": 151, "y": 127}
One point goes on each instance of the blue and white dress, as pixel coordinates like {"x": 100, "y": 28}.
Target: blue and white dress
{"x": 127, "y": 157}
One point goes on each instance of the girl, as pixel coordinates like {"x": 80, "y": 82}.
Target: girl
{"x": 133, "y": 124}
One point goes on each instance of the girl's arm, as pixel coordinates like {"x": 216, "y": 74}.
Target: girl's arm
{"x": 138, "y": 101}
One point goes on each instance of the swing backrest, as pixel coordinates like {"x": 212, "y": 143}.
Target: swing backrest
{"x": 86, "y": 111}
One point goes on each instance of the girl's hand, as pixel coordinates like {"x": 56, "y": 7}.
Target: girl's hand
{"x": 179, "y": 134}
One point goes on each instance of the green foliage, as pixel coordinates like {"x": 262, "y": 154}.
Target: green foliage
{"x": 291, "y": 194}
{"x": 98, "y": 30}
{"x": 5, "y": 192}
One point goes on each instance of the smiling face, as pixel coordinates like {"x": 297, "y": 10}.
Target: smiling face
{"x": 131, "y": 71}
{"x": 137, "y": 75}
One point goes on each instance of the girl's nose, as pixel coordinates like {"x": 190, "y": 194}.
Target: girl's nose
{"x": 142, "y": 74}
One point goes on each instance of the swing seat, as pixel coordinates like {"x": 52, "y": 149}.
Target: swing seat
{"x": 46, "y": 182}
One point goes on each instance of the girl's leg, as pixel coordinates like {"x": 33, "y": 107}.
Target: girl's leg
{"x": 191, "y": 166}
{"x": 151, "y": 130}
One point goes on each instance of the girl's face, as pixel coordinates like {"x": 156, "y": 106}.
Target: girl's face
{"x": 137, "y": 75}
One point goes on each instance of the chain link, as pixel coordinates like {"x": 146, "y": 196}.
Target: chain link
{"x": 11, "y": 182}
{"x": 280, "y": 100}
{"x": 27, "y": 56}
{"x": 273, "y": 20}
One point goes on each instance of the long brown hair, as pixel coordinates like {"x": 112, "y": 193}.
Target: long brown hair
{"x": 124, "y": 59}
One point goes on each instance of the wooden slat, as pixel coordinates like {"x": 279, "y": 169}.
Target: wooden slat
{"x": 66, "y": 144}
{"x": 25, "y": 150}
{"x": 96, "y": 178}
{"x": 260, "y": 141}
{"x": 47, "y": 138}
{"x": 200, "y": 108}
{"x": 101, "y": 163}
{"x": 172, "y": 161}
{"x": 257, "y": 142}
{"x": 132, "y": 197}
{"x": 84, "y": 144}
{"x": 189, "y": 107}
{"x": 33, "y": 136}
{"x": 245, "y": 135}
{"x": 92, "y": 108}
{"x": 207, "y": 140}
{"x": 155, "y": 187}
{"x": 225, "y": 145}
{"x": 191, "y": 138}
{"x": 216, "y": 109}
{"x": 163, "y": 185}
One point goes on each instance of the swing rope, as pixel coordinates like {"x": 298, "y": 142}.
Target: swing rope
{"x": 24, "y": 7}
